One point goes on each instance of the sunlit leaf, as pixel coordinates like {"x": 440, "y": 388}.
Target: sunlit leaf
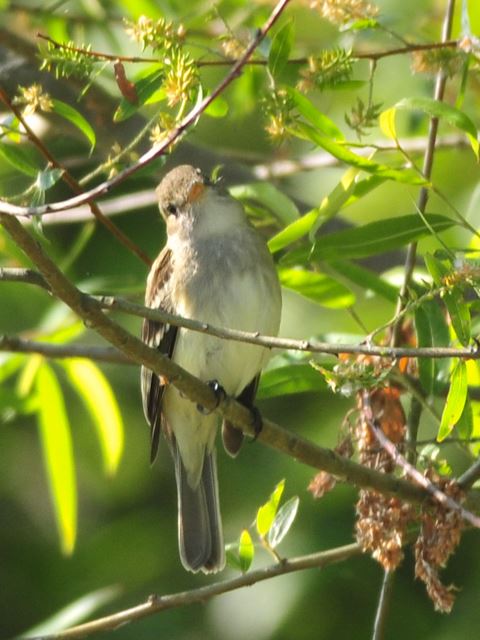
{"x": 455, "y": 402}
{"x": 218, "y": 108}
{"x": 341, "y": 152}
{"x": 58, "y": 454}
{"x": 267, "y": 512}
{"x": 386, "y": 122}
{"x": 318, "y": 287}
{"x": 97, "y": 394}
{"x": 280, "y": 49}
{"x": 75, "y": 117}
{"x": 294, "y": 378}
{"x": 282, "y": 522}
{"x": 369, "y": 239}
{"x": 246, "y": 551}
{"x": 321, "y": 123}
{"x": 452, "y": 115}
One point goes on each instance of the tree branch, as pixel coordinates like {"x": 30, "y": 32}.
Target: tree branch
{"x": 112, "y": 303}
{"x": 156, "y": 604}
{"x": 158, "y": 150}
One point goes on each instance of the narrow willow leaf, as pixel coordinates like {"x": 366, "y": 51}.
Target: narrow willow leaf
{"x": 282, "y": 522}
{"x": 97, "y": 394}
{"x": 270, "y": 197}
{"x": 316, "y": 118}
{"x": 464, "y": 426}
{"x": 20, "y": 158}
{"x": 386, "y": 122}
{"x": 267, "y": 512}
{"x": 456, "y": 398}
{"x": 246, "y": 551}
{"x": 368, "y": 280}
{"x": 280, "y": 49}
{"x": 426, "y": 366}
{"x": 58, "y": 454}
{"x": 455, "y": 117}
{"x": 75, "y": 117}
{"x": 369, "y": 239}
{"x": 145, "y": 89}
{"x": 74, "y": 613}
{"x": 46, "y": 179}
{"x": 341, "y": 152}
{"x": 288, "y": 380}
{"x": 318, "y": 287}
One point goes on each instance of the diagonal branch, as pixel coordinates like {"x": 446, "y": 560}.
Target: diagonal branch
{"x": 158, "y": 150}
{"x": 156, "y": 604}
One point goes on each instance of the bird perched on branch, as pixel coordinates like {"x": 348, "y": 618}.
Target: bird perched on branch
{"x": 215, "y": 268}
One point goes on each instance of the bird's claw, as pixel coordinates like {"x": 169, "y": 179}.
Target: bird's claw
{"x": 220, "y": 395}
{"x": 257, "y": 422}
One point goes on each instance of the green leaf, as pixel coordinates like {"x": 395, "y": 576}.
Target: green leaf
{"x": 454, "y": 301}
{"x": 46, "y": 179}
{"x": 267, "y": 512}
{"x": 465, "y": 422}
{"x": 318, "y": 287}
{"x": 288, "y": 380}
{"x": 218, "y": 108}
{"x": 320, "y": 122}
{"x": 386, "y": 122}
{"x": 366, "y": 279}
{"x": 280, "y": 49}
{"x": 283, "y": 521}
{"x": 436, "y": 109}
{"x": 456, "y": 398}
{"x": 270, "y": 197}
{"x": 58, "y": 454}
{"x": 426, "y": 366}
{"x": 310, "y": 222}
{"x": 246, "y": 551}
{"x": 97, "y": 394}
{"x": 74, "y": 613}
{"x": 341, "y": 152}
{"x": 72, "y": 115}
{"x": 20, "y": 157}
{"x": 145, "y": 89}
{"x": 369, "y": 239}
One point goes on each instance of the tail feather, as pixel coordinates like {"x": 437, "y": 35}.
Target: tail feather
{"x": 200, "y": 535}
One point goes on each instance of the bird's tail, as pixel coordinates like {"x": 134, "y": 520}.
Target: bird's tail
{"x": 200, "y": 536}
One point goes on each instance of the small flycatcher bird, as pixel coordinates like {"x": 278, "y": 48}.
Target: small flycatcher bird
{"x": 215, "y": 268}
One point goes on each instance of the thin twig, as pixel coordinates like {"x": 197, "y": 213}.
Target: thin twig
{"x": 16, "y": 344}
{"x": 71, "y": 181}
{"x": 158, "y": 150}
{"x": 384, "y": 601}
{"x": 112, "y": 303}
{"x": 438, "y": 495}
{"x": 156, "y": 604}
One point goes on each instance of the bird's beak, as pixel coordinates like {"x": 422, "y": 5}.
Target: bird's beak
{"x": 196, "y": 192}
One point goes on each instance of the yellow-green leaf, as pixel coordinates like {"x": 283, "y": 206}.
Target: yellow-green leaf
{"x": 246, "y": 551}
{"x": 456, "y": 399}
{"x": 267, "y": 512}
{"x": 97, "y": 394}
{"x": 58, "y": 454}
{"x": 386, "y": 122}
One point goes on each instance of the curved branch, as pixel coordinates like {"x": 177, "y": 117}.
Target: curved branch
{"x": 158, "y": 150}
{"x": 155, "y": 603}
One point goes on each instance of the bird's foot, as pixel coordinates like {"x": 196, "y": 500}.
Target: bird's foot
{"x": 257, "y": 422}
{"x": 220, "y": 395}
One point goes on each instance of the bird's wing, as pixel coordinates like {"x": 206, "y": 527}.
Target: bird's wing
{"x": 231, "y": 436}
{"x": 157, "y": 335}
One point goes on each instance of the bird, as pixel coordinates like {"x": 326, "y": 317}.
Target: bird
{"x": 215, "y": 268}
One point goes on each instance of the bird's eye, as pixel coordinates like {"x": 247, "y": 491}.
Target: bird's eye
{"x": 172, "y": 209}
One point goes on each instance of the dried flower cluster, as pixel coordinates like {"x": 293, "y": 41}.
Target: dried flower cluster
{"x": 277, "y": 107}
{"x": 381, "y": 521}
{"x": 341, "y": 12}
{"x": 440, "y": 534}
{"x": 232, "y": 47}
{"x": 32, "y": 99}
{"x": 450, "y": 61}
{"x": 327, "y": 69}
{"x": 323, "y": 482}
